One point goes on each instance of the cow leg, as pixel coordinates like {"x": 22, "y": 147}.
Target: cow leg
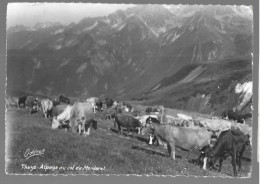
{"x": 220, "y": 164}
{"x": 80, "y": 128}
{"x": 119, "y": 129}
{"x": 234, "y": 163}
{"x": 73, "y": 126}
{"x": 205, "y": 163}
{"x": 139, "y": 130}
{"x": 87, "y": 133}
{"x": 150, "y": 140}
{"x": 115, "y": 124}
{"x": 171, "y": 149}
{"x": 240, "y": 160}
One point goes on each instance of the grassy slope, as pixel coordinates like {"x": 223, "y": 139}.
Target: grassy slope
{"x": 104, "y": 148}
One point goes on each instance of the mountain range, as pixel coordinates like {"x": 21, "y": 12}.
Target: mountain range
{"x": 157, "y": 53}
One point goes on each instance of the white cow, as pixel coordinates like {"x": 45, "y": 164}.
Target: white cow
{"x": 79, "y": 115}
{"x": 62, "y": 117}
{"x": 93, "y": 101}
{"x": 47, "y": 106}
{"x": 216, "y": 125}
{"x": 184, "y": 116}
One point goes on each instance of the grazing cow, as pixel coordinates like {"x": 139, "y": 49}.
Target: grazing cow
{"x": 230, "y": 143}
{"x": 62, "y": 118}
{"x": 233, "y": 115}
{"x": 21, "y": 100}
{"x": 128, "y": 121}
{"x": 11, "y": 101}
{"x": 64, "y": 99}
{"x": 47, "y": 106}
{"x": 31, "y": 104}
{"x": 182, "y": 137}
{"x": 86, "y": 126}
{"x": 79, "y": 115}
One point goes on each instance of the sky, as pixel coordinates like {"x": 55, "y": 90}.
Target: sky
{"x": 28, "y": 14}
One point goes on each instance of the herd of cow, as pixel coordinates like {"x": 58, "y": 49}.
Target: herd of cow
{"x": 230, "y": 131}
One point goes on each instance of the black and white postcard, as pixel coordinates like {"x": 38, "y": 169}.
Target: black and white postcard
{"x": 129, "y": 89}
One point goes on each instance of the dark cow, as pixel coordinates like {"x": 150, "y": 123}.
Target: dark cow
{"x": 31, "y": 104}
{"x": 99, "y": 105}
{"x": 64, "y": 99}
{"x": 123, "y": 120}
{"x": 229, "y": 143}
{"x": 232, "y": 115}
{"x": 89, "y": 123}
{"x": 149, "y": 110}
{"x": 55, "y": 102}
{"x": 109, "y": 102}
{"x": 21, "y": 100}
{"x": 182, "y": 137}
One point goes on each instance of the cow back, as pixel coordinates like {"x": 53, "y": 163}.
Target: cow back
{"x": 183, "y": 137}
{"x": 81, "y": 109}
{"x": 127, "y": 121}
{"x": 57, "y": 110}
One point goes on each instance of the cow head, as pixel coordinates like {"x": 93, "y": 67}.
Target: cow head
{"x": 55, "y": 123}
{"x": 148, "y": 129}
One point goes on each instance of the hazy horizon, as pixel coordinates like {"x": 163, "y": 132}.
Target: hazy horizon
{"x": 28, "y": 14}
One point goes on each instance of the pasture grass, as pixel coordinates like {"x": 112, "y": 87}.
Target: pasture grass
{"x": 103, "y": 148}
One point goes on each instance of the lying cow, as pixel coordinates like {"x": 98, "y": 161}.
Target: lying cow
{"x": 47, "y": 106}
{"x": 230, "y": 143}
{"x": 182, "y": 137}
{"x": 127, "y": 121}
